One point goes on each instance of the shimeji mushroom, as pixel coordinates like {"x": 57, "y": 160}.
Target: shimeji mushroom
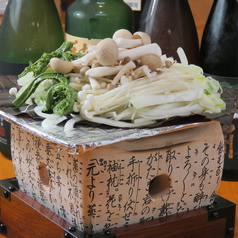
{"x": 138, "y": 52}
{"x": 107, "y": 52}
{"x": 86, "y": 59}
{"x": 103, "y": 71}
{"x": 122, "y": 33}
{"x": 61, "y": 66}
{"x": 83, "y": 70}
{"x": 142, "y": 71}
{"x": 168, "y": 63}
{"x": 117, "y": 60}
{"x": 145, "y": 38}
{"x": 95, "y": 63}
{"x": 153, "y": 61}
{"x": 125, "y": 40}
{"x": 127, "y": 67}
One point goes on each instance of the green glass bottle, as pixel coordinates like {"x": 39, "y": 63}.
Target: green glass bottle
{"x": 29, "y": 28}
{"x": 89, "y": 21}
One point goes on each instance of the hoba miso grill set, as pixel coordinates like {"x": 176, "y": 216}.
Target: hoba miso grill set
{"x": 100, "y": 180}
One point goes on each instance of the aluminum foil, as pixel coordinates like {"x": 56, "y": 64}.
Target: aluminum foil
{"x": 86, "y": 136}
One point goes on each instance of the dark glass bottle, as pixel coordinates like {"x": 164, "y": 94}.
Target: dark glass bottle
{"x": 65, "y": 4}
{"x": 170, "y": 24}
{"x": 5, "y": 138}
{"x": 219, "y": 47}
{"x": 29, "y": 28}
{"x": 219, "y": 59}
{"x": 137, "y": 7}
{"x": 89, "y": 21}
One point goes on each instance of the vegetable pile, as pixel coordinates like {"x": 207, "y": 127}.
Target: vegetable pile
{"x": 124, "y": 81}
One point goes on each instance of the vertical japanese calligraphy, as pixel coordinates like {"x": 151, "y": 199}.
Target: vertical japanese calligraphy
{"x": 109, "y": 186}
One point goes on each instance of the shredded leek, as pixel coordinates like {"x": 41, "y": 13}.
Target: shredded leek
{"x": 179, "y": 90}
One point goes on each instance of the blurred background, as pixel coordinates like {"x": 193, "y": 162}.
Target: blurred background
{"x": 199, "y": 8}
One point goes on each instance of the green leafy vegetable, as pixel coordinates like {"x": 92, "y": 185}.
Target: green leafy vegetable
{"x": 69, "y": 56}
{"x": 40, "y": 66}
{"x": 60, "y": 99}
{"x": 21, "y": 99}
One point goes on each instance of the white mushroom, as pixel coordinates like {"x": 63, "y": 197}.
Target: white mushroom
{"x": 143, "y": 71}
{"x": 139, "y": 38}
{"x": 95, "y": 64}
{"x": 91, "y": 48}
{"x": 107, "y": 52}
{"x": 77, "y": 68}
{"x": 81, "y": 96}
{"x": 83, "y": 70}
{"x": 153, "y": 61}
{"x": 94, "y": 84}
{"x": 126, "y": 79}
{"x": 86, "y": 59}
{"x": 61, "y": 66}
{"x": 128, "y": 43}
{"x": 142, "y": 36}
{"x": 168, "y": 63}
{"x": 138, "y": 52}
{"x": 126, "y": 68}
{"x": 122, "y": 33}
{"x": 76, "y": 107}
{"x": 103, "y": 71}
{"x": 125, "y": 60}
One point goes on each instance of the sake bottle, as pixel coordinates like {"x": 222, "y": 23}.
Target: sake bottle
{"x": 219, "y": 59}
{"x": 219, "y": 47}
{"x": 29, "y": 28}
{"x": 89, "y": 21}
{"x": 171, "y": 25}
{"x": 65, "y": 4}
{"x": 137, "y": 7}
{"x": 5, "y": 138}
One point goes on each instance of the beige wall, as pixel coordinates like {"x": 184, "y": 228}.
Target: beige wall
{"x": 200, "y": 9}
{"x": 57, "y": 3}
